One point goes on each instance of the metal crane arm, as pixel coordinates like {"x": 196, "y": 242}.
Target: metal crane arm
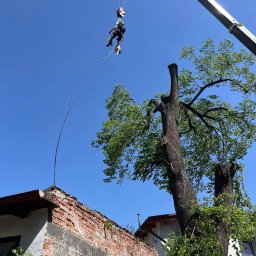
{"x": 234, "y": 27}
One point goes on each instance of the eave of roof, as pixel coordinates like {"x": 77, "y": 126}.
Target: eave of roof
{"x": 151, "y": 221}
{"x": 21, "y": 204}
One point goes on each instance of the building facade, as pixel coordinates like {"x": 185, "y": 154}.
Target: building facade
{"x": 54, "y": 223}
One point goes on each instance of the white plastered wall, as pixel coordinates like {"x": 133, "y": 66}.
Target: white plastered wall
{"x": 163, "y": 230}
{"x": 32, "y": 230}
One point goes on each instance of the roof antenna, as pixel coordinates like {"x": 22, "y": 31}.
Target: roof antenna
{"x": 138, "y": 219}
{"x": 72, "y": 101}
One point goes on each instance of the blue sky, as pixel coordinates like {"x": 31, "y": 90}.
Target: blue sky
{"x": 48, "y": 48}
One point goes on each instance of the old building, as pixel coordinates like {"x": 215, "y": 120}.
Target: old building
{"x": 53, "y": 223}
{"x": 155, "y": 231}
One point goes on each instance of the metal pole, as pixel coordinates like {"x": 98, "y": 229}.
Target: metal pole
{"x": 234, "y": 27}
{"x": 138, "y": 219}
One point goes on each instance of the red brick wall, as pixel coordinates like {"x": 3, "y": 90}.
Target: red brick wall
{"x": 94, "y": 228}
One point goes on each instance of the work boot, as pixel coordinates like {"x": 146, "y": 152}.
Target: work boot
{"x": 118, "y": 49}
{"x": 109, "y": 43}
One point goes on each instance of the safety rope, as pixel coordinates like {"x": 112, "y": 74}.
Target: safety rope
{"x": 71, "y": 104}
{"x": 108, "y": 55}
{"x": 121, "y": 3}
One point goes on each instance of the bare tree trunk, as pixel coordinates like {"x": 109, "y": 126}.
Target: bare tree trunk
{"x": 180, "y": 186}
{"x": 224, "y": 175}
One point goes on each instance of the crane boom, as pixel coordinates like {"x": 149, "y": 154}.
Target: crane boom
{"x": 234, "y": 27}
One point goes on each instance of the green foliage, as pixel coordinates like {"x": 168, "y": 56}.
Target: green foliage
{"x": 130, "y": 140}
{"x": 19, "y": 252}
{"x": 108, "y": 225}
{"x": 211, "y": 215}
{"x": 221, "y": 130}
{"x": 178, "y": 245}
{"x": 213, "y": 127}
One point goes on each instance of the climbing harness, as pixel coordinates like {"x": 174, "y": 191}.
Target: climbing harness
{"x": 117, "y": 31}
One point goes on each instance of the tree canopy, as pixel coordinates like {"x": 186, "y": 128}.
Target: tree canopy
{"x": 213, "y": 128}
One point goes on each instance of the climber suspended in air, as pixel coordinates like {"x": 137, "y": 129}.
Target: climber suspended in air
{"x": 118, "y": 31}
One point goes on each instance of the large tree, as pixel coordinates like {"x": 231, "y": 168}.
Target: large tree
{"x": 189, "y": 140}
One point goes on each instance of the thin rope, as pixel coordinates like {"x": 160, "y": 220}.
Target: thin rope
{"x": 108, "y": 55}
{"x": 70, "y": 106}
{"x": 89, "y": 82}
{"x": 121, "y": 3}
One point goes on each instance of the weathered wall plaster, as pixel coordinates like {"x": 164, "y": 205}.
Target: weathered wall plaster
{"x": 34, "y": 231}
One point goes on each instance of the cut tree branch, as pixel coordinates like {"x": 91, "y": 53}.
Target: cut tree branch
{"x": 158, "y": 106}
{"x": 173, "y": 69}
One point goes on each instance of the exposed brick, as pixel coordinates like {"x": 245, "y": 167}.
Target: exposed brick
{"x": 94, "y": 228}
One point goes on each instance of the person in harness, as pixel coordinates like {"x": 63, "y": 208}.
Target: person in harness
{"x": 118, "y": 31}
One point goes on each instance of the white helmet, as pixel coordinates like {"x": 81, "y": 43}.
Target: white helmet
{"x": 120, "y": 12}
